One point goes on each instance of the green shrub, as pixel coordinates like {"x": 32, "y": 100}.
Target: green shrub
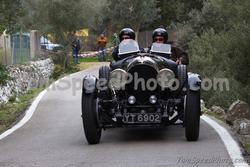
{"x": 219, "y": 48}
{"x": 4, "y": 76}
{"x": 58, "y": 71}
{"x": 71, "y": 67}
{"x": 58, "y": 57}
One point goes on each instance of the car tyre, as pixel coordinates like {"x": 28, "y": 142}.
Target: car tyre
{"x": 104, "y": 73}
{"x": 192, "y": 115}
{"x": 90, "y": 118}
{"x": 182, "y": 77}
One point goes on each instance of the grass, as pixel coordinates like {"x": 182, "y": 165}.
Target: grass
{"x": 85, "y": 65}
{"x": 94, "y": 59}
{"x": 215, "y": 115}
{"x": 87, "y": 62}
{"x": 14, "y": 109}
{"x": 88, "y": 59}
{"x": 247, "y": 147}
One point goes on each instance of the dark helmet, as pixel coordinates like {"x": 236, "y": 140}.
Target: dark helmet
{"x": 127, "y": 31}
{"x": 161, "y": 32}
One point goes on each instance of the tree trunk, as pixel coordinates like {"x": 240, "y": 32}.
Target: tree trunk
{"x": 137, "y": 30}
{"x": 65, "y": 62}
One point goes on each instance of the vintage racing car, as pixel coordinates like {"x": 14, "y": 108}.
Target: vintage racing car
{"x": 141, "y": 89}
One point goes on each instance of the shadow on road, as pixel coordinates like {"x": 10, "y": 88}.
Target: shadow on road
{"x": 125, "y": 135}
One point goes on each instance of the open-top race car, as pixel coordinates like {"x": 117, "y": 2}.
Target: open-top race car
{"x": 141, "y": 89}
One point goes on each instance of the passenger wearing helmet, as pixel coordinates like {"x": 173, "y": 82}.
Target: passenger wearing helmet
{"x": 160, "y": 35}
{"x": 125, "y": 33}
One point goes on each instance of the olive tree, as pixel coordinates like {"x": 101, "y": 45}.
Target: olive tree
{"x": 135, "y": 14}
{"x": 10, "y": 12}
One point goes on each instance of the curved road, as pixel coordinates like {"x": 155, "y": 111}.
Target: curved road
{"x": 54, "y": 138}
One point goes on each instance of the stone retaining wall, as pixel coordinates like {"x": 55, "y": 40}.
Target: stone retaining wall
{"x": 25, "y": 77}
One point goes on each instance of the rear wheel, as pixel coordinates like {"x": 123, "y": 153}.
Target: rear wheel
{"x": 192, "y": 115}
{"x": 90, "y": 118}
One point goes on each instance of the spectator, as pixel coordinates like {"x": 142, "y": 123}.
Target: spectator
{"x": 102, "y": 41}
{"x": 75, "y": 49}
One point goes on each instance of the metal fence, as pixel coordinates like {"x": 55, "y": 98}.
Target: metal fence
{"x": 5, "y": 50}
{"x": 15, "y": 48}
{"x": 20, "y": 48}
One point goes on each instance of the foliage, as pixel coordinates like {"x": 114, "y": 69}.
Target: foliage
{"x": 95, "y": 59}
{"x": 57, "y": 72}
{"x": 88, "y": 59}
{"x": 129, "y": 13}
{"x": 175, "y": 11}
{"x": 59, "y": 18}
{"x": 72, "y": 68}
{"x": 247, "y": 147}
{"x": 184, "y": 7}
{"x": 59, "y": 69}
{"x": 168, "y": 12}
{"x": 217, "y": 38}
{"x": 97, "y": 21}
{"x": 4, "y": 76}
{"x": 10, "y": 12}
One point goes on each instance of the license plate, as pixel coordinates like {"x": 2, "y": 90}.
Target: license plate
{"x": 142, "y": 118}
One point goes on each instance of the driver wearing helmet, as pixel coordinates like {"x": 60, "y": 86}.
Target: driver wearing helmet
{"x": 125, "y": 33}
{"x": 160, "y": 35}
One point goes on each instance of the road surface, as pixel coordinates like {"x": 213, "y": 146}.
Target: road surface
{"x": 54, "y": 137}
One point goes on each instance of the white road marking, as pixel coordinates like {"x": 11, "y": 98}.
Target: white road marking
{"x": 50, "y": 87}
{"x": 31, "y": 110}
{"x": 57, "y": 82}
{"x": 231, "y": 145}
{"x": 27, "y": 116}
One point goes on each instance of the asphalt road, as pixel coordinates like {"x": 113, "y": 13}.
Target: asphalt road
{"x": 54, "y": 137}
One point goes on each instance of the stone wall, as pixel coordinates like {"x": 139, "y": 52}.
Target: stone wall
{"x": 237, "y": 116}
{"x": 26, "y": 77}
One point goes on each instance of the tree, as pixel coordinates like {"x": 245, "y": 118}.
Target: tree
{"x": 60, "y": 18}
{"x": 168, "y": 12}
{"x": 97, "y": 20}
{"x": 10, "y": 12}
{"x": 185, "y": 7}
{"x": 219, "y": 47}
{"x": 130, "y": 13}
{"x": 175, "y": 11}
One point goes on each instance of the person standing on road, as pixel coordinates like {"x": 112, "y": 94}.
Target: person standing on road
{"x": 102, "y": 41}
{"x": 75, "y": 49}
